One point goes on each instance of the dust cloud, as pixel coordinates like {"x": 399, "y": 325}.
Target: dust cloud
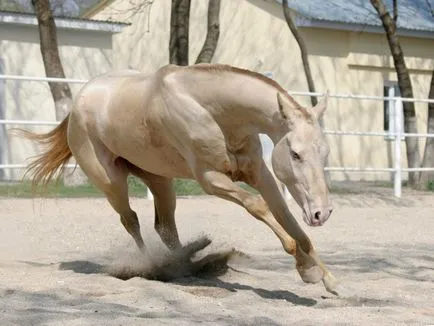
{"x": 161, "y": 264}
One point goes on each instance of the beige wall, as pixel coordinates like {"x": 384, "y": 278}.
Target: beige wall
{"x": 83, "y": 55}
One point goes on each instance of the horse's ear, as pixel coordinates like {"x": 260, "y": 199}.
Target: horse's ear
{"x": 321, "y": 106}
{"x": 290, "y": 110}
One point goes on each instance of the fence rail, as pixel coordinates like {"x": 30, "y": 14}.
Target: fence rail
{"x": 363, "y": 97}
{"x": 397, "y": 135}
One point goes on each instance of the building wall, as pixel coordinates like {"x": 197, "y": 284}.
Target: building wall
{"x": 83, "y": 54}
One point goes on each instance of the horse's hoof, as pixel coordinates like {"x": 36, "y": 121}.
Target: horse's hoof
{"x": 333, "y": 286}
{"x": 313, "y": 274}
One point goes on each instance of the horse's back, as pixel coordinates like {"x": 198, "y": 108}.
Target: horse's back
{"x": 121, "y": 111}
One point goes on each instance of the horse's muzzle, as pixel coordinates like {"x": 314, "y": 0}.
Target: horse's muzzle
{"x": 318, "y": 216}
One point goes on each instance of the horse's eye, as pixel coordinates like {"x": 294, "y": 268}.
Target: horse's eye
{"x": 295, "y": 156}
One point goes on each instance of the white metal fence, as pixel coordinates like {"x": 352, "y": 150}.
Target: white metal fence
{"x": 397, "y": 135}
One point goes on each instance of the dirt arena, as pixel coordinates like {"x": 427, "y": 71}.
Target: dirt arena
{"x": 54, "y": 254}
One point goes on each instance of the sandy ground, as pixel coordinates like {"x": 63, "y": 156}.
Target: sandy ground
{"x": 53, "y": 253}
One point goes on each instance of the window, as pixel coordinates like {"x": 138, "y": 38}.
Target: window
{"x": 391, "y": 89}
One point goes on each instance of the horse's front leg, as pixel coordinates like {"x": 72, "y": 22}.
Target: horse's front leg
{"x": 309, "y": 265}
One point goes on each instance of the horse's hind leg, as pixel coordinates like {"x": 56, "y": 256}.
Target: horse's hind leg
{"x": 165, "y": 205}
{"x": 108, "y": 174}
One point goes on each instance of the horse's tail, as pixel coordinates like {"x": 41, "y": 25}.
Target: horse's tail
{"x": 57, "y": 153}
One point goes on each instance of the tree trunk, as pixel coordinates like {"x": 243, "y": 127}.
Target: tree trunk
{"x": 404, "y": 83}
{"x": 395, "y": 11}
{"x": 428, "y": 157}
{"x": 306, "y": 66}
{"x": 50, "y": 54}
{"x": 303, "y": 50}
{"x": 60, "y": 92}
{"x": 179, "y": 28}
{"x": 212, "y": 34}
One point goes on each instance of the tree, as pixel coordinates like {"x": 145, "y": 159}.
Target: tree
{"x": 60, "y": 92}
{"x": 303, "y": 50}
{"x": 428, "y": 156}
{"x": 179, "y": 32}
{"x": 404, "y": 83}
{"x": 213, "y": 32}
{"x": 305, "y": 60}
{"x": 179, "y": 25}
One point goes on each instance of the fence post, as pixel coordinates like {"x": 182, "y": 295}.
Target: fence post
{"x": 397, "y": 112}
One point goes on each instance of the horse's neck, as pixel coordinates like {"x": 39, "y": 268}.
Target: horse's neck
{"x": 240, "y": 97}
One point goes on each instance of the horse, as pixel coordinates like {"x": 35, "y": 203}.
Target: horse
{"x": 200, "y": 122}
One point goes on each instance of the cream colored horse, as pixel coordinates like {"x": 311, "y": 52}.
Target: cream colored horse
{"x": 198, "y": 122}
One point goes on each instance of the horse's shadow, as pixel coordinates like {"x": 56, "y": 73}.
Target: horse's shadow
{"x": 215, "y": 282}
{"x": 83, "y": 267}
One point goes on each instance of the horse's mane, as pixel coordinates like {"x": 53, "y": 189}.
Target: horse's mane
{"x": 218, "y": 68}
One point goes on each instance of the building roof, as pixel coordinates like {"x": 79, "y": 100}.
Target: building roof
{"x": 413, "y": 15}
{"x": 29, "y": 19}
{"x": 96, "y": 8}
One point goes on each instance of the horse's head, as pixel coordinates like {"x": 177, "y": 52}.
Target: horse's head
{"x": 298, "y": 158}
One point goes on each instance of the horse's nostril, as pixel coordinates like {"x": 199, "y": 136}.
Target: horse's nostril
{"x": 317, "y": 215}
{"x": 330, "y": 211}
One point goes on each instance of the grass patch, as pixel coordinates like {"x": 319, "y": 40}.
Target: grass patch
{"x": 187, "y": 187}
{"x": 53, "y": 190}
{"x": 430, "y": 185}
{"x": 59, "y": 190}
{"x": 183, "y": 187}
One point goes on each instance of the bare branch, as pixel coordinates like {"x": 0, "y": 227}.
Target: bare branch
{"x": 303, "y": 50}
{"x": 50, "y": 54}
{"x": 212, "y": 34}
{"x": 430, "y": 7}
{"x": 395, "y": 11}
{"x": 135, "y": 7}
